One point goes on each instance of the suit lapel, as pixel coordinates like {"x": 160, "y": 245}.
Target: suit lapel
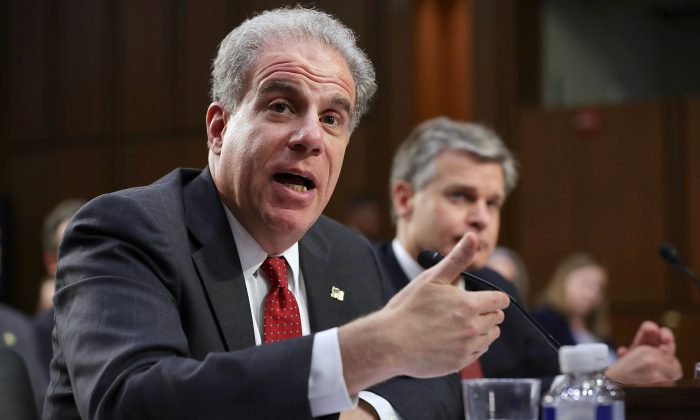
{"x": 313, "y": 263}
{"x": 320, "y": 276}
{"x": 325, "y": 265}
{"x": 217, "y": 262}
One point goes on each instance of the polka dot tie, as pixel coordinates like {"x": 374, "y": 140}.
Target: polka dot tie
{"x": 281, "y": 310}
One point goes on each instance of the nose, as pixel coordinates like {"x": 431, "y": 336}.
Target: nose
{"x": 308, "y": 138}
{"x": 478, "y": 215}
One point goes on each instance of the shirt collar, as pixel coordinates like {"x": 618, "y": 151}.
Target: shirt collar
{"x": 252, "y": 254}
{"x": 407, "y": 263}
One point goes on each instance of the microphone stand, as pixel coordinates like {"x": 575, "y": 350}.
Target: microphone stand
{"x": 673, "y": 258}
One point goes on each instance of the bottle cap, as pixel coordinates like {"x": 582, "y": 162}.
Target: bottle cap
{"x": 583, "y": 358}
{"x": 599, "y": 354}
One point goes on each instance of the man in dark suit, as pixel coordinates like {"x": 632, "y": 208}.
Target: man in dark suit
{"x": 450, "y": 178}
{"x": 171, "y": 298}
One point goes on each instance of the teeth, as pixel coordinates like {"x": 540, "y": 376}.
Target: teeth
{"x": 297, "y": 188}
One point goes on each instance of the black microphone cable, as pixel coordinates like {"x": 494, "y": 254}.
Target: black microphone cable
{"x": 428, "y": 259}
{"x": 671, "y": 256}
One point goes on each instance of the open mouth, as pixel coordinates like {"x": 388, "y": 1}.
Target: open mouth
{"x": 295, "y": 182}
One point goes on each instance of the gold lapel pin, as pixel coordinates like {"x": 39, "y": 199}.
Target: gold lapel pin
{"x": 10, "y": 339}
{"x": 337, "y": 293}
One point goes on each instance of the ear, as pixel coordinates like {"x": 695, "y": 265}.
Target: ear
{"x": 402, "y": 198}
{"x": 216, "y": 127}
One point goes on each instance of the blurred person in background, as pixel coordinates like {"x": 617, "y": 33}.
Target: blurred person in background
{"x": 52, "y": 232}
{"x": 17, "y": 332}
{"x": 362, "y": 214}
{"x": 5, "y": 257}
{"x": 511, "y": 266}
{"x": 574, "y": 307}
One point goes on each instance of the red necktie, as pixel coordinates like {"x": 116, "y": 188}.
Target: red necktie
{"x": 282, "y": 319}
{"x": 472, "y": 371}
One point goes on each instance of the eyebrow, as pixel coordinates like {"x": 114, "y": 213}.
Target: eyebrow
{"x": 473, "y": 190}
{"x": 281, "y": 85}
{"x": 343, "y": 103}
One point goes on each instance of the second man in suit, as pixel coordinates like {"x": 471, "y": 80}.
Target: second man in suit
{"x": 449, "y": 178}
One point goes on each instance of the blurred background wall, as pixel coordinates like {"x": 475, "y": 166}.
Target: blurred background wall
{"x": 600, "y": 100}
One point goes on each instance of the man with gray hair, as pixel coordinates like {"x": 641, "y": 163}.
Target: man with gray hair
{"x": 224, "y": 293}
{"x": 451, "y": 178}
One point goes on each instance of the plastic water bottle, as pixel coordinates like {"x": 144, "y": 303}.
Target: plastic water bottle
{"x": 600, "y": 354}
{"x": 584, "y": 392}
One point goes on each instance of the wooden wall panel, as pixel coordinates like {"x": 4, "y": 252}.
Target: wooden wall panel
{"x": 600, "y": 191}
{"x": 393, "y": 115}
{"x": 82, "y": 97}
{"x": 195, "y": 49}
{"x": 145, "y": 162}
{"x": 27, "y": 102}
{"x": 148, "y": 75}
{"x": 443, "y": 60}
{"x": 692, "y": 142}
{"x": 495, "y": 94}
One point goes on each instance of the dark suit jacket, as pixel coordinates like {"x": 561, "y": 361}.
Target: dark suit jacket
{"x": 17, "y": 334}
{"x": 520, "y": 352}
{"x": 555, "y": 323}
{"x": 16, "y": 396}
{"x": 43, "y": 327}
{"x": 153, "y": 319}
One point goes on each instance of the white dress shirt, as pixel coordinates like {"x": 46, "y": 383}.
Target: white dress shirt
{"x": 409, "y": 266}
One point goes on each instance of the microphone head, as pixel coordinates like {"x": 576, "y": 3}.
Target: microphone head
{"x": 670, "y": 254}
{"x": 427, "y": 259}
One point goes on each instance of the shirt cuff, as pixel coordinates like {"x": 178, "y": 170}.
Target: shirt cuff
{"x": 380, "y": 405}
{"x": 328, "y": 392}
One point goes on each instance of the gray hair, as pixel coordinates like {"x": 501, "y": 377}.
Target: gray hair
{"x": 414, "y": 161}
{"x": 239, "y": 49}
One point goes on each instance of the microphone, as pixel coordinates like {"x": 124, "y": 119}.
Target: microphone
{"x": 428, "y": 259}
{"x": 671, "y": 255}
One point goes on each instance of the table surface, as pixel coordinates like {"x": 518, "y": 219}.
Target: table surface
{"x": 680, "y": 400}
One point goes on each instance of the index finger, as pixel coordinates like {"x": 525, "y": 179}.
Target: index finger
{"x": 461, "y": 256}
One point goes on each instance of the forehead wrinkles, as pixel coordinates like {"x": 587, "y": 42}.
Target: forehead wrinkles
{"x": 309, "y": 72}
{"x": 464, "y": 169}
{"x": 309, "y": 59}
